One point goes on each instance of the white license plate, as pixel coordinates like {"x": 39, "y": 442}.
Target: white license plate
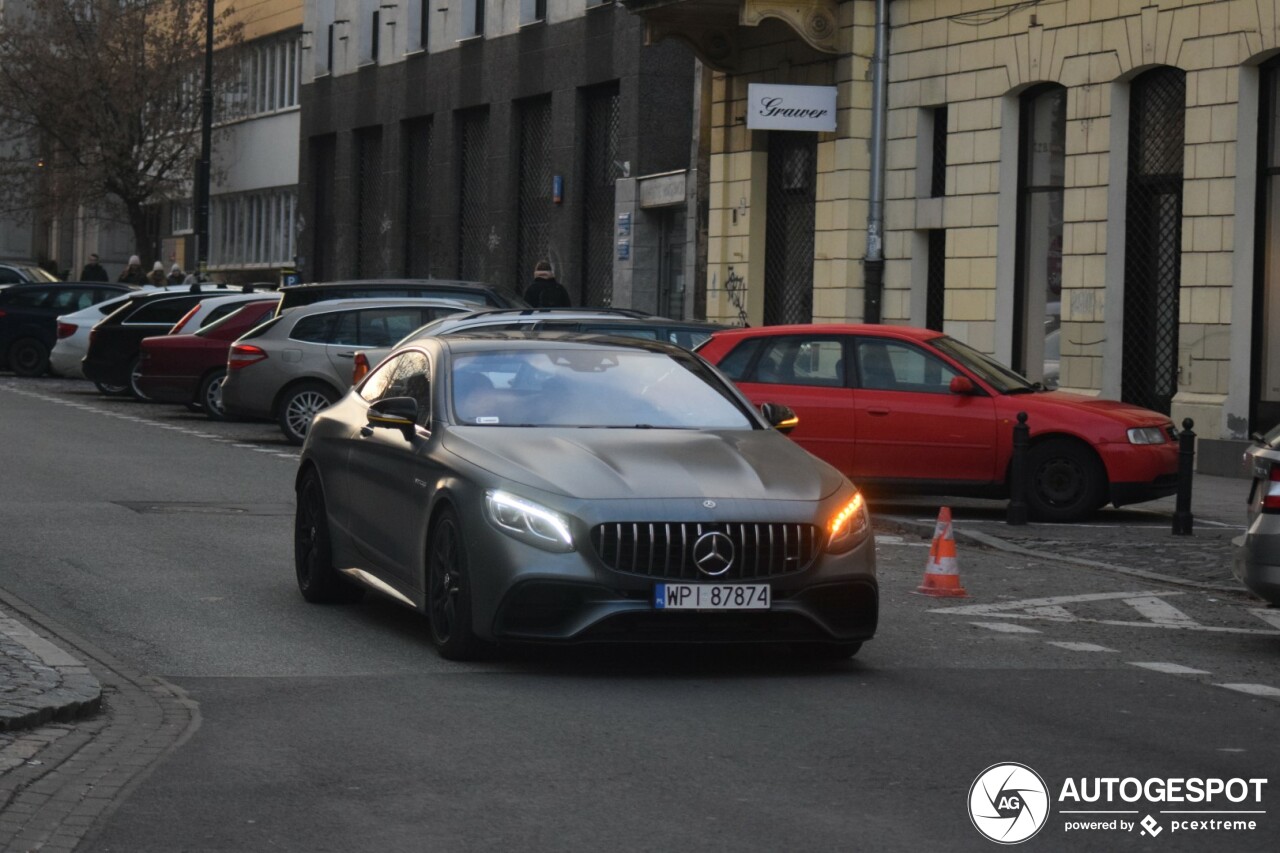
{"x": 711, "y": 596}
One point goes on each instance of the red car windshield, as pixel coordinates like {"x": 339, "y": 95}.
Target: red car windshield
{"x": 988, "y": 369}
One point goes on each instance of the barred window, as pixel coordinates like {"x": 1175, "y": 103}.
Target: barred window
{"x": 253, "y": 229}
{"x": 268, "y": 79}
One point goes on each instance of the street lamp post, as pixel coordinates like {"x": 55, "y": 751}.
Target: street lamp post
{"x": 206, "y": 144}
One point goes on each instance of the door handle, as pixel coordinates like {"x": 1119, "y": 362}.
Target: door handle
{"x": 878, "y": 412}
{"x": 345, "y": 354}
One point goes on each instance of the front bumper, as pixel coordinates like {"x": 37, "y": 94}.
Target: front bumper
{"x": 526, "y": 594}
{"x": 1138, "y": 473}
{"x": 1256, "y": 557}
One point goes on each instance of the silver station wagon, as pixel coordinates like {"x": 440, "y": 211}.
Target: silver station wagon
{"x": 296, "y": 364}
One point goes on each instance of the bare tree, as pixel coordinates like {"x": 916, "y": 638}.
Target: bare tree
{"x": 100, "y": 101}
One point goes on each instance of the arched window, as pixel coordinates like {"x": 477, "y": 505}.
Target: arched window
{"x": 1041, "y": 176}
{"x": 1153, "y": 239}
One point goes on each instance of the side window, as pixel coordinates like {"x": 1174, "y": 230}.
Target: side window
{"x": 687, "y": 338}
{"x": 406, "y": 375}
{"x": 382, "y": 327}
{"x": 344, "y": 331}
{"x": 316, "y": 329}
{"x": 218, "y": 313}
{"x": 8, "y": 276}
{"x": 801, "y": 361}
{"x": 165, "y": 312}
{"x": 435, "y": 312}
{"x": 894, "y": 366}
{"x": 33, "y": 298}
{"x": 734, "y": 365}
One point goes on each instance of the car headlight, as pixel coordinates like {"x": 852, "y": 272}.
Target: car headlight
{"x": 1147, "y": 435}
{"x": 528, "y": 522}
{"x": 849, "y": 526}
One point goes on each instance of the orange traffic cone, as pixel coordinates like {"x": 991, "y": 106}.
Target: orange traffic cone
{"x": 942, "y": 573}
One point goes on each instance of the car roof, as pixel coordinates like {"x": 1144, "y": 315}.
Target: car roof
{"x": 372, "y": 302}
{"x": 484, "y": 340}
{"x": 45, "y": 285}
{"x": 384, "y": 282}
{"x": 913, "y": 333}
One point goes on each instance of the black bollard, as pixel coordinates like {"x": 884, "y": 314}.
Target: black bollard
{"x": 1017, "y": 511}
{"x": 1186, "y": 463}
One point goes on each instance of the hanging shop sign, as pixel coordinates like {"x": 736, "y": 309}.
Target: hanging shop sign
{"x": 777, "y": 107}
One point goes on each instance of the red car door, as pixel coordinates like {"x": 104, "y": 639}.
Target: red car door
{"x": 908, "y": 425}
{"x": 807, "y": 373}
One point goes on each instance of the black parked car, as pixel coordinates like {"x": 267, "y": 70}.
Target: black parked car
{"x": 475, "y": 293}
{"x": 115, "y": 343}
{"x": 29, "y": 319}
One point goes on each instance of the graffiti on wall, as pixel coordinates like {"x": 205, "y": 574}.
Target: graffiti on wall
{"x": 735, "y": 288}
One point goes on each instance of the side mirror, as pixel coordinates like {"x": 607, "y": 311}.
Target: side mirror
{"x": 779, "y": 417}
{"x": 395, "y": 412}
{"x": 962, "y": 385}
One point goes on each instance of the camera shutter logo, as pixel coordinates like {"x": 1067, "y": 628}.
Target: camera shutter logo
{"x": 1008, "y": 803}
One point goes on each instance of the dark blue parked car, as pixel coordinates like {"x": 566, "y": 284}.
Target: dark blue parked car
{"x": 29, "y": 319}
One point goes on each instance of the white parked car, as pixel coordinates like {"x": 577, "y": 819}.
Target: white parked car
{"x": 73, "y": 329}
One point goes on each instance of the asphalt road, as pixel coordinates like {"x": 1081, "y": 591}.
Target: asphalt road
{"x": 165, "y": 540}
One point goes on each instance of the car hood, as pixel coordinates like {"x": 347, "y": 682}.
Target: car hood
{"x": 1066, "y": 404}
{"x": 601, "y": 464}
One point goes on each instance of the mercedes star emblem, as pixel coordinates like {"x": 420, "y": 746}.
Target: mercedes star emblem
{"x": 713, "y": 553}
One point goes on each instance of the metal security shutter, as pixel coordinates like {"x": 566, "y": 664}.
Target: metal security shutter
{"x": 601, "y": 158}
{"x": 473, "y": 196}
{"x": 417, "y": 214}
{"x": 535, "y": 186}
{"x": 789, "y": 233}
{"x": 370, "y": 202}
{"x": 1153, "y": 239}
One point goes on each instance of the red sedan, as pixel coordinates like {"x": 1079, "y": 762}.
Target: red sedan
{"x": 914, "y": 410}
{"x": 190, "y": 368}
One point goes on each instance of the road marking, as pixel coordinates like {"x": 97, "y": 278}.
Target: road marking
{"x": 1080, "y": 647}
{"x": 1263, "y": 690}
{"x": 1269, "y": 615}
{"x": 1170, "y": 668}
{"x": 1158, "y": 614}
{"x": 1006, "y": 627}
{"x": 1161, "y": 612}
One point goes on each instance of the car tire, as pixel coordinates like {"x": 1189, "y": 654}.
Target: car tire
{"x": 318, "y": 581}
{"x": 209, "y": 397}
{"x": 135, "y": 373}
{"x": 29, "y": 357}
{"x": 112, "y": 390}
{"x": 449, "y": 590}
{"x": 826, "y": 651}
{"x": 299, "y": 405}
{"x": 1065, "y": 481}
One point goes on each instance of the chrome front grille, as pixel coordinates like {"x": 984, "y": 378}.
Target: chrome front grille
{"x": 665, "y": 549}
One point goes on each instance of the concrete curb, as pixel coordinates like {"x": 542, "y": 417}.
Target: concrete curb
{"x": 987, "y": 540}
{"x": 42, "y": 683}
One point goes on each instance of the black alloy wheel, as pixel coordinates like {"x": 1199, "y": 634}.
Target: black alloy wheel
{"x": 1066, "y": 482}
{"x": 318, "y": 581}
{"x": 449, "y": 590}
{"x": 112, "y": 390}
{"x": 28, "y": 357}
{"x": 209, "y": 397}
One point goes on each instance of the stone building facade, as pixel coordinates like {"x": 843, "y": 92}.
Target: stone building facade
{"x": 471, "y": 140}
{"x": 1086, "y": 189}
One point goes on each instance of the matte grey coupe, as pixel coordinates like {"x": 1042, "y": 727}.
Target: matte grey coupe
{"x": 518, "y": 487}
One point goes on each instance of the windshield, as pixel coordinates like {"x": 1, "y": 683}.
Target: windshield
{"x": 261, "y": 312}
{"x": 988, "y": 369}
{"x": 591, "y": 387}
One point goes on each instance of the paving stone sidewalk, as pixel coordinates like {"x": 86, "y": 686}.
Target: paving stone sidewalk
{"x": 39, "y": 682}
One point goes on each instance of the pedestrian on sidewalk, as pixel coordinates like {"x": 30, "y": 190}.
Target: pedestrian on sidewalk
{"x": 156, "y": 277}
{"x": 133, "y": 274}
{"x": 94, "y": 271}
{"x": 546, "y": 292}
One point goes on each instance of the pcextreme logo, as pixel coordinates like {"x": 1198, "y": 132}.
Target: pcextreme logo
{"x": 1009, "y": 803}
